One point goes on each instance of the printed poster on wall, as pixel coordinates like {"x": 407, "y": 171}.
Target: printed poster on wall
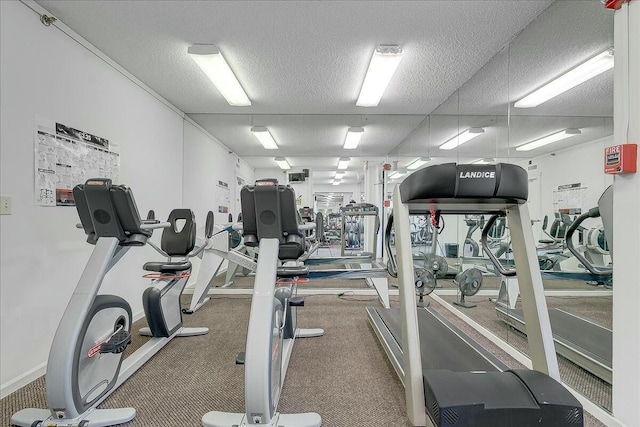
{"x": 570, "y": 199}
{"x": 222, "y": 196}
{"x": 64, "y": 157}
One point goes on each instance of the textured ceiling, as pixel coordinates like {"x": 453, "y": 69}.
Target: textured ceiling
{"x": 302, "y": 64}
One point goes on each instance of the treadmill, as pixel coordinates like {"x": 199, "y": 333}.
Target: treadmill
{"x": 583, "y": 342}
{"x": 449, "y": 379}
{"x": 580, "y": 340}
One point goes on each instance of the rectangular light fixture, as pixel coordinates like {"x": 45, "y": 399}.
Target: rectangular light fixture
{"x": 263, "y": 135}
{"x": 282, "y": 163}
{"x": 578, "y": 75}
{"x": 339, "y": 175}
{"x": 211, "y": 61}
{"x": 549, "y": 139}
{"x": 417, "y": 163}
{"x": 487, "y": 161}
{"x": 336, "y": 182}
{"x": 354, "y": 134}
{"x": 383, "y": 65}
{"x": 461, "y": 138}
{"x": 396, "y": 174}
{"x": 343, "y": 163}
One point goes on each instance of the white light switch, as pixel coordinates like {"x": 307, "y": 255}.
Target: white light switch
{"x": 5, "y": 205}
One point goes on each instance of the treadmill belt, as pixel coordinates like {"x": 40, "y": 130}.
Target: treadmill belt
{"x": 589, "y": 338}
{"x": 441, "y": 348}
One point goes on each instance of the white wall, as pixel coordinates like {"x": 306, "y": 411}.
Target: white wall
{"x": 580, "y": 164}
{"x": 206, "y": 162}
{"x": 45, "y": 73}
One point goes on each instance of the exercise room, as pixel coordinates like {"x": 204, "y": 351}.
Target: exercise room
{"x": 305, "y": 213}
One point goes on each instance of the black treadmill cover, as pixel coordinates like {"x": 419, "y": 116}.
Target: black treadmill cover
{"x": 455, "y": 184}
{"x": 511, "y": 398}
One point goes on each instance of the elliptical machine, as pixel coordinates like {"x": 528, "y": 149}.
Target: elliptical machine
{"x": 86, "y": 361}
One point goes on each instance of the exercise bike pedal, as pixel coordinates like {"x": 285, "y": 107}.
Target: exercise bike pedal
{"x": 240, "y": 358}
{"x": 117, "y": 343}
{"x": 296, "y": 302}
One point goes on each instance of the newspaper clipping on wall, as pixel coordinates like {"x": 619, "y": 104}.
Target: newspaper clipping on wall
{"x": 65, "y": 157}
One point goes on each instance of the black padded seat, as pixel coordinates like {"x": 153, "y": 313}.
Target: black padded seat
{"x": 546, "y": 241}
{"x": 167, "y": 267}
{"x": 293, "y": 248}
{"x": 449, "y": 187}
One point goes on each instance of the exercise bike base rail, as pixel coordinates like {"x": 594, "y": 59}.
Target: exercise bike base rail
{"x": 226, "y": 419}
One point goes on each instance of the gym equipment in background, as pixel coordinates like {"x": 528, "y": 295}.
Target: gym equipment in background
{"x": 86, "y": 361}
{"x": 580, "y": 340}
{"x": 425, "y": 349}
{"x": 470, "y": 248}
{"x": 267, "y": 211}
{"x": 352, "y": 216}
{"x": 469, "y": 283}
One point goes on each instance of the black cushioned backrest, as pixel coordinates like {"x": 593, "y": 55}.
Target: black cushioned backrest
{"x": 268, "y": 211}
{"x": 319, "y": 225}
{"x": 107, "y": 210}
{"x": 558, "y": 229}
{"x": 208, "y": 225}
{"x": 179, "y": 243}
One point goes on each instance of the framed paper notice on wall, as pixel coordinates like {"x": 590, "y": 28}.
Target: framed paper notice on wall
{"x": 65, "y": 157}
{"x": 570, "y": 199}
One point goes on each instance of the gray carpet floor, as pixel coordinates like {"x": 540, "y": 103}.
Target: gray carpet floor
{"x": 344, "y": 375}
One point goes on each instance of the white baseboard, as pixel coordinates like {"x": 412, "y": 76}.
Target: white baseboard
{"x": 22, "y": 380}
{"x": 33, "y": 374}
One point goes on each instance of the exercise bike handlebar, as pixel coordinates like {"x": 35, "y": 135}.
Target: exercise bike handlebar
{"x": 487, "y": 249}
{"x": 154, "y": 225}
{"x": 575, "y": 225}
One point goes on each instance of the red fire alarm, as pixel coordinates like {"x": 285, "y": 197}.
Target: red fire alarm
{"x": 621, "y": 159}
{"x": 614, "y": 4}
{"x": 387, "y": 203}
{"x": 386, "y": 166}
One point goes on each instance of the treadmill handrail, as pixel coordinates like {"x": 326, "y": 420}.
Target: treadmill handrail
{"x": 485, "y": 245}
{"x": 392, "y": 267}
{"x": 575, "y": 225}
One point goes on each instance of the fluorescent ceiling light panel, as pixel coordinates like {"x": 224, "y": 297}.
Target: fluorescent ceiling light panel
{"x": 282, "y": 163}
{"x": 487, "y": 161}
{"x": 339, "y": 175}
{"x": 396, "y": 174}
{"x": 461, "y": 138}
{"x": 343, "y": 163}
{"x": 580, "y": 74}
{"x": 263, "y": 135}
{"x": 354, "y": 134}
{"x": 417, "y": 163}
{"x": 383, "y": 64}
{"x": 549, "y": 139}
{"x": 336, "y": 183}
{"x": 211, "y": 61}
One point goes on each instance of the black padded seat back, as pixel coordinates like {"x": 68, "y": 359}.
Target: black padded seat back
{"x": 289, "y": 213}
{"x": 558, "y": 229}
{"x": 179, "y": 242}
{"x": 108, "y": 210}
{"x": 269, "y": 211}
{"x": 319, "y": 226}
